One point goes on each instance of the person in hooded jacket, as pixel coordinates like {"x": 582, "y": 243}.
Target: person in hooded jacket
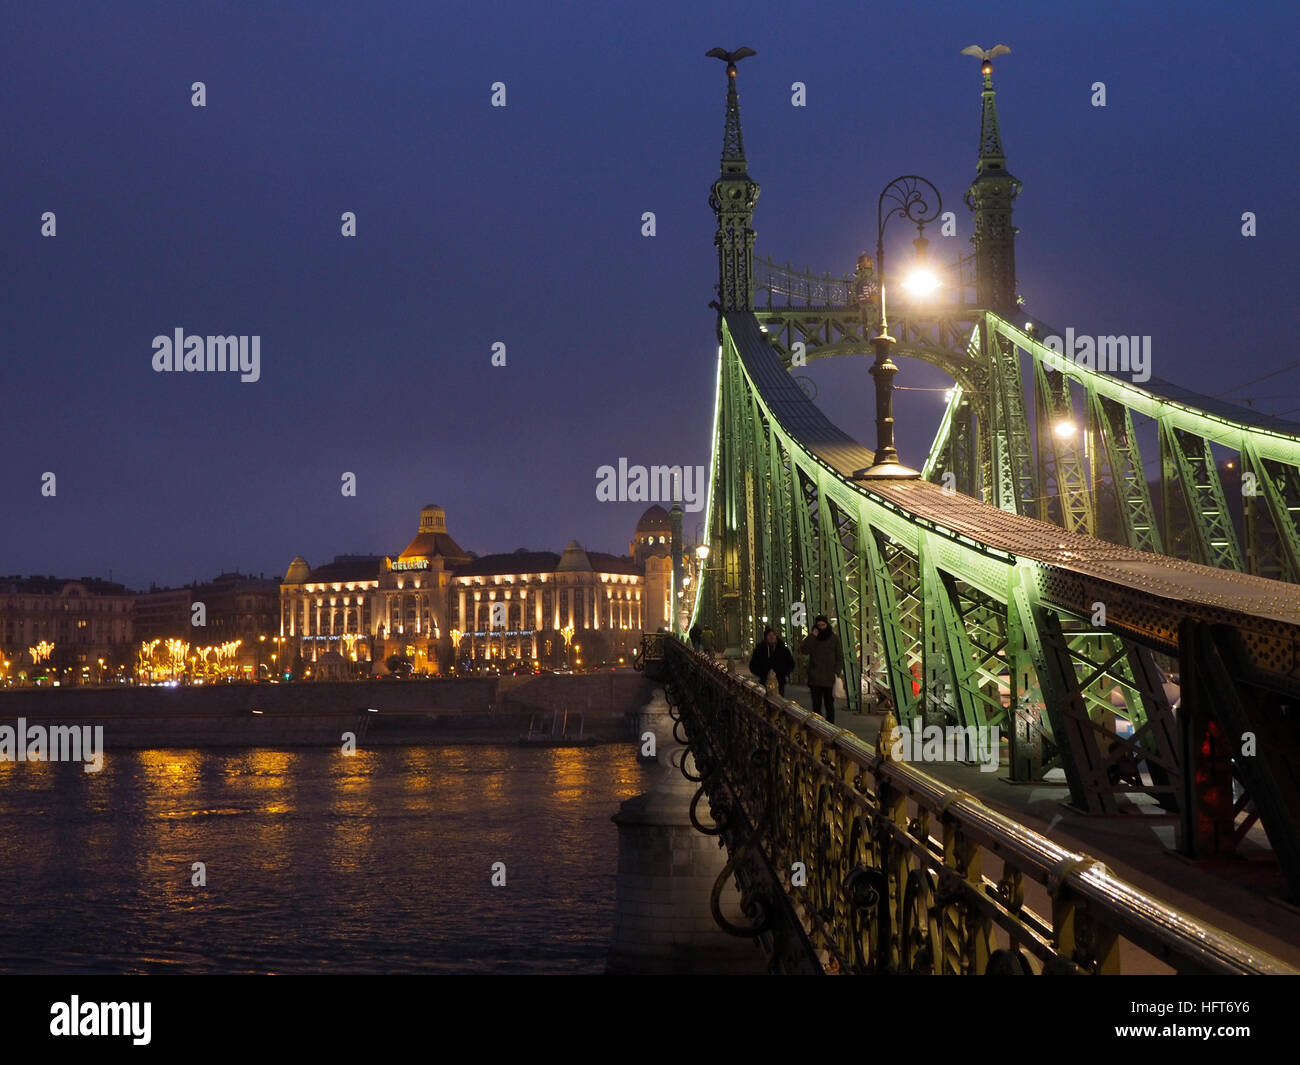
{"x": 771, "y": 655}
{"x": 825, "y": 663}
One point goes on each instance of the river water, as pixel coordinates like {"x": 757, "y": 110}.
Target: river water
{"x": 315, "y": 862}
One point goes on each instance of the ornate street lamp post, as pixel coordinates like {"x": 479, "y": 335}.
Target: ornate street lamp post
{"x": 907, "y": 197}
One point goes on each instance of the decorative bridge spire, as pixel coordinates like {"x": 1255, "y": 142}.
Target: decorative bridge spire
{"x": 989, "y": 198}
{"x": 733, "y": 143}
{"x": 732, "y": 198}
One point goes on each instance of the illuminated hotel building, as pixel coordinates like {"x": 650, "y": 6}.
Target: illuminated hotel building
{"x": 525, "y": 605}
{"x": 520, "y": 607}
{"x": 367, "y": 607}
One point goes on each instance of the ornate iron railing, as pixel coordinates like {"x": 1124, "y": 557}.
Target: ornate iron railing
{"x": 803, "y": 287}
{"x": 889, "y": 869}
{"x": 652, "y": 652}
{"x": 813, "y": 290}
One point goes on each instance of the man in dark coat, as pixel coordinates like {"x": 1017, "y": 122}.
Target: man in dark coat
{"x": 825, "y": 663}
{"x": 771, "y": 655}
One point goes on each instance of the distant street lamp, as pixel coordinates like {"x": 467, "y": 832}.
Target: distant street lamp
{"x": 1064, "y": 431}
{"x": 908, "y": 198}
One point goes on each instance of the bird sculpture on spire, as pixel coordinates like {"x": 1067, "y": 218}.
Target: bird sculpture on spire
{"x": 987, "y": 55}
{"x": 730, "y": 58}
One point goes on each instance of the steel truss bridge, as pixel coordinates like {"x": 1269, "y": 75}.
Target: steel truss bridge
{"x": 1024, "y": 582}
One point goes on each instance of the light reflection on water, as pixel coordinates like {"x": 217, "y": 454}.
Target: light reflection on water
{"x": 315, "y": 862}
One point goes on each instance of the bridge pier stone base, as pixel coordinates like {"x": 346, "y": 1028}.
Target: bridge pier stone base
{"x": 654, "y": 718}
{"x": 666, "y": 873}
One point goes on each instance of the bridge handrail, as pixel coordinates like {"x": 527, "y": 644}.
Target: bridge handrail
{"x": 1092, "y": 908}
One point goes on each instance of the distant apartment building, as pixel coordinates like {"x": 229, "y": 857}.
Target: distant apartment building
{"x": 84, "y": 620}
{"x": 163, "y": 614}
{"x": 237, "y": 607}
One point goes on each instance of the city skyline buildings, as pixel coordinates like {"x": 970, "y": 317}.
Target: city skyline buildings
{"x": 520, "y": 606}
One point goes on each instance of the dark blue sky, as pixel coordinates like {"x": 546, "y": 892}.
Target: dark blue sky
{"x": 522, "y": 225}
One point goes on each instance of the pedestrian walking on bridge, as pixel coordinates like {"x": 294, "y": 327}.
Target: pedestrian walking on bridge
{"x": 771, "y": 656}
{"x": 825, "y": 663}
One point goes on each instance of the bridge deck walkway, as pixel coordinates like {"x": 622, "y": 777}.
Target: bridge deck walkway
{"x": 1243, "y": 898}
